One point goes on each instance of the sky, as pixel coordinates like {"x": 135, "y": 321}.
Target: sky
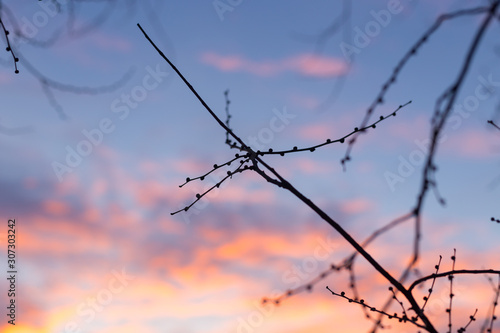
{"x": 98, "y": 133}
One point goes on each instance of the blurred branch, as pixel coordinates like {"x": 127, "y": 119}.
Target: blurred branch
{"x": 48, "y": 84}
{"x": 12, "y": 131}
{"x": 412, "y": 52}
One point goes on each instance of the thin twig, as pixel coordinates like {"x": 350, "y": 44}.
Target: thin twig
{"x": 493, "y": 123}
{"x": 451, "y": 277}
{"x": 426, "y": 298}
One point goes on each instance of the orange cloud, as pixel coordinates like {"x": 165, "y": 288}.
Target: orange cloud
{"x": 210, "y": 271}
{"x": 22, "y": 328}
{"x": 310, "y": 65}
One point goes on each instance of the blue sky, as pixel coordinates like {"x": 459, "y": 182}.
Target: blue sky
{"x": 204, "y": 271}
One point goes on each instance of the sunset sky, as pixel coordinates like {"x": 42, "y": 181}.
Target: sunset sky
{"x": 92, "y": 165}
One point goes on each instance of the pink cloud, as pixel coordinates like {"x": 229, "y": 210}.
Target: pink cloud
{"x": 218, "y": 290}
{"x": 310, "y": 65}
{"x": 312, "y": 167}
{"x": 316, "y": 132}
{"x": 317, "y": 66}
{"x": 471, "y": 143}
{"x": 357, "y": 206}
{"x": 69, "y": 238}
{"x": 109, "y": 42}
{"x": 55, "y": 207}
{"x": 5, "y": 78}
{"x": 147, "y": 193}
{"x": 30, "y": 183}
{"x": 99, "y": 187}
{"x": 209, "y": 283}
{"x": 327, "y": 129}
{"x": 189, "y": 167}
{"x": 228, "y": 63}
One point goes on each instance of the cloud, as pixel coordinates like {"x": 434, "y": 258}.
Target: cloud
{"x": 312, "y": 167}
{"x": 55, "y": 207}
{"x": 5, "y": 78}
{"x": 212, "y": 272}
{"x": 111, "y": 42}
{"x": 357, "y": 206}
{"x": 315, "y": 132}
{"x": 473, "y": 143}
{"x": 309, "y": 65}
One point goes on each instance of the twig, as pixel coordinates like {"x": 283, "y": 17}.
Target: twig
{"x": 361, "y": 302}
{"x": 450, "y": 277}
{"x": 342, "y": 139}
{"x": 456, "y": 272}
{"x": 495, "y": 304}
{"x": 230, "y": 174}
{"x": 493, "y": 123}
{"x": 404, "y": 60}
{"x": 228, "y": 116}
{"x": 9, "y": 47}
{"x": 426, "y": 298}
{"x": 405, "y": 316}
{"x": 471, "y": 319}
{"x": 242, "y": 158}
{"x": 349, "y": 260}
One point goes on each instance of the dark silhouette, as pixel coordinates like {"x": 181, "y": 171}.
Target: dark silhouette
{"x": 401, "y": 288}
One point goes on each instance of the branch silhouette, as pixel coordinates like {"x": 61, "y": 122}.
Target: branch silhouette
{"x": 283, "y": 183}
{"x": 9, "y": 47}
{"x": 412, "y": 311}
{"x": 412, "y": 52}
{"x": 491, "y": 122}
